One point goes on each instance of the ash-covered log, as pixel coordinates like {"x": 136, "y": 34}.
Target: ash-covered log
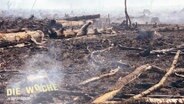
{"x": 85, "y": 17}
{"x": 8, "y": 39}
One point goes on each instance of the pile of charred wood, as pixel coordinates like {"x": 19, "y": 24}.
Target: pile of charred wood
{"x": 21, "y": 30}
{"x": 71, "y": 28}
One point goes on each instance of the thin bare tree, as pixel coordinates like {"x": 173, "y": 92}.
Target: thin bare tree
{"x": 128, "y": 21}
{"x": 9, "y": 4}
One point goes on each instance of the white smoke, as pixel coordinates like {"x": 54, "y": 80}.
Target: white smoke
{"x": 41, "y": 69}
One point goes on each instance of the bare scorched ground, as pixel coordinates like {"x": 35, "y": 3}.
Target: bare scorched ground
{"x": 73, "y": 56}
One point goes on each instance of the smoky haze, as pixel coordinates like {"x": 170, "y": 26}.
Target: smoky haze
{"x": 91, "y": 5}
{"x": 168, "y": 10}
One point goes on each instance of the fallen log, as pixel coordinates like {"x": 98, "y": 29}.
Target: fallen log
{"x": 112, "y": 72}
{"x": 62, "y": 33}
{"x": 86, "y": 17}
{"x": 7, "y": 39}
{"x": 70, "y": 33}
{"x": 14, "y": 30}
{"x": 160, "y": 84}
{"x": 107, "y": 31}
{"x": 66, "y": 23}
{"x": 130, "y": 77}
{"x": 121, "y": 83}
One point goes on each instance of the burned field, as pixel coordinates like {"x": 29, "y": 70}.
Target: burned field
{"x": 96, "y": 68}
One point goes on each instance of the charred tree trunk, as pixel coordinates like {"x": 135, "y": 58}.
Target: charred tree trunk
{"x": 84, "y": 29}
{"x": 86, "y": 17}
{"x": 128, "y": 21}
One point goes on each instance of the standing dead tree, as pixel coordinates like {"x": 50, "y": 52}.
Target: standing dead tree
{"x": 128, "y": 21}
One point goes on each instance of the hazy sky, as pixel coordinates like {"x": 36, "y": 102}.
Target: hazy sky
{"x": 92, "y": 4}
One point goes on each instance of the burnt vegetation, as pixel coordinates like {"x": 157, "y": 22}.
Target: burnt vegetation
{"x": 118, "y": 63}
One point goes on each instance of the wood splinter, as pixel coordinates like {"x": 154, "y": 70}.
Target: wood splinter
{"x": 112, "y": 72}
{"x": 179, "y": 75}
